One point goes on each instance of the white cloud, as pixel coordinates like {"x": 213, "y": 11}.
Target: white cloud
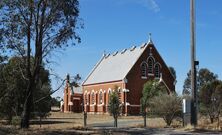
{"x": 154, "y": 6}
{"x": 150, "y": 4}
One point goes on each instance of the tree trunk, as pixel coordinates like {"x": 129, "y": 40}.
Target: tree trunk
{"x": 211, "y": 120}
{"x": 27, "y": 108}
{"x": 9, "y": 119}
{"x": 85, "y": 117}
{"x": 144, "y": 117}
{"x": 218, "y": 119}
{"x": 28, "y": 97}
{"x": 26, "y": 114}
{"x": 115, "y": 122}
{"x": 40, "y": 121}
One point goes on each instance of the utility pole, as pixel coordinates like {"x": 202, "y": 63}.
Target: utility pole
{"x": 194, "y": 63}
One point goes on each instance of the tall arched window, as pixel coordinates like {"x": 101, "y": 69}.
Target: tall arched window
{"x": 119, "y": 94}
{"x": 86, "y": 101}
{"x": 143, "y": 70}
{"x": 93, "y": 98}
{"x": 150, "y": 65}
{"x": 100, "y": 97}
{"x": 109, "y": 92}
{"x": 157, "y": 71}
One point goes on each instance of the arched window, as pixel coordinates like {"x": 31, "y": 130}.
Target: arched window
{"x": 119, "y": 94}
{"x": 150, "y": 65}
{"x": 86, "y": 101}
{"x": 109, "y": 92}
{"x": 157, "y": 71}
{"x": 93, "y": 98}
{"x": 100, "y": 97}
{"x": 143, "y": 70}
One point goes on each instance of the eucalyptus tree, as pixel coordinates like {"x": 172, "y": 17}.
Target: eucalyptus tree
{"x": 211, "y": 99}
{"x": 204, "y": 76}
{"x": 38, "y": 29}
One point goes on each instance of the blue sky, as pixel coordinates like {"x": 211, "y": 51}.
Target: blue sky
{"x": 112, "y": 25}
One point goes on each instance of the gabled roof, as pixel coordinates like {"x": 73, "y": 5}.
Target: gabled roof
{"x": 115, "y": 67}
{"x": 77, "y": 89}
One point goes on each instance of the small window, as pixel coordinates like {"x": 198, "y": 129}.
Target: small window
{"x": 93, "y": 98}
{"x": 150, "y": 65}
{"x": 157, "y": 71}
{"x": 143, "y": 69}
{"x": 100, "y": 97}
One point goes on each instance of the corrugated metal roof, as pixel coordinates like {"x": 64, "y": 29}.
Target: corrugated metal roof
{"x": 116, "y": 66}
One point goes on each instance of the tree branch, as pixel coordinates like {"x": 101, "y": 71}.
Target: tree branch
{"x": 38, "y": 100}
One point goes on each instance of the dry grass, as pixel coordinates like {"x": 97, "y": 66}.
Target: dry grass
{"x": 61, "y": 123}
{"x": 204, "y": 123}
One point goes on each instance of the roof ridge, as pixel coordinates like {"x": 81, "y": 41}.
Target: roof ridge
{"x": 132, "y": 48}
{"x": 144, "y": 48}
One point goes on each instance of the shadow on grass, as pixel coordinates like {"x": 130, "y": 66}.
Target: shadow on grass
{"x": 205, "y": 131}
{"x": 63, "y": 118}
{"x": 35, "y": 122}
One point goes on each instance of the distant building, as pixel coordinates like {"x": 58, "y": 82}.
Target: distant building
{"x": 129, "y": 70}
{"x": 73, "y": 98}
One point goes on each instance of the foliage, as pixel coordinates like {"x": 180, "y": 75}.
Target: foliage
{"x": 55, "y": 101}
{"x": 173, "y": 72}
{"x": 150, "y": 89}
{"x": 211, "y": 99}
{"x": 187, "y": 84}
{"x": 51, "y": 23}
{"x": 166, "y": 106}
{"x": 75, "y": 80}
{"x": 114, "y": 106}
{"x": 36, "y": 28}
{"x": 13, "y": 85}
{"x": 16, "y": 120}
{"x": 203, "y": 76}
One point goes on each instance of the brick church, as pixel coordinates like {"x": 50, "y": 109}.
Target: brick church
{"x": 129, "y": 70}
{"x": 72, "y": 98}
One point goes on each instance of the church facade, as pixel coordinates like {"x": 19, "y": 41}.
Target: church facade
{"x": 72, "y": 98}
{"x": 128, "y": 70}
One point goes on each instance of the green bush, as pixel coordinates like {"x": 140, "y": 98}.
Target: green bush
{"x": 15, "y": 120}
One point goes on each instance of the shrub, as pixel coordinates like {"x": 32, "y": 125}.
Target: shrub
{"x": 15, "y": 120}
{"x": 166, "y": 106}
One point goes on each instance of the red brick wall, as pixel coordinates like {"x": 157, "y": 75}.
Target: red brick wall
{"x": 166, "y": 75}
{"x": 100, "y": 108}
{"x": 135, "y": 82}
{"x": 76, "y": 99}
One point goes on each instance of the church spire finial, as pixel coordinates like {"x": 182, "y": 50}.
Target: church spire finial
{"x": 150, "y": 40}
